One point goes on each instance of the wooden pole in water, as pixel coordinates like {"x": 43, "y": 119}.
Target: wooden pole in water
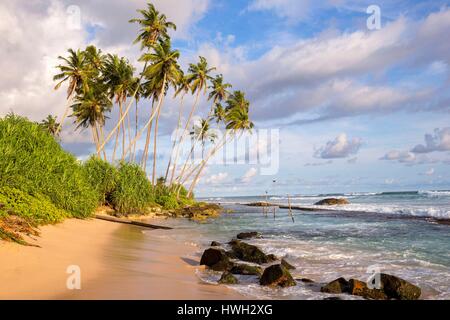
{"x": 290, "y": 208}
{"x": 266, "y": 204}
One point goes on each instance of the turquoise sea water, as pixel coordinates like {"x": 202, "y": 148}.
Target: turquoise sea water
{"x": 393, "y": 232}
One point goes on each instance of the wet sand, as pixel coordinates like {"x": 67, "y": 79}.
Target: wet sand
{"x": 116, "y": 262}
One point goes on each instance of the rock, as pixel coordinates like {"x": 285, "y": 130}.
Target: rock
{"x": 339, "y": 285}
{"x": 332, "y": 298}
{"x": 397, "y": 288}
{"x": 248, "y": 235}
{"x": 216, "y": 259}
{"x": 332, "y": 202}
{"x": 228, "y": 278}
{"x": 287, "y": 265}
{"x": 215, "y": 244}
{"x": 246, "y": 269}
{"x": 272, "y": 257}
{"x": 259, "y": 204}
{"x": 249, "y": 253}
{"x": 359, "y": 288}
{"x": 277, "y": 275}
{"x": 305, "y": 280}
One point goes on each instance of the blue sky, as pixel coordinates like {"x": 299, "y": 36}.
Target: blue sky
{"x": 351, "y": 104}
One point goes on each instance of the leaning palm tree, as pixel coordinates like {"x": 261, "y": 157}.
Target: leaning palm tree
{"x": 204, "y": 132}
{"x": 154, "y": 26}
{"x": 89, "y": 110}
{"x": 72, "y": 70}
{"x": 219, "y": 90}
{"x": 237, "y": 121}
{"x": 118, "y": 76}
{"x": 50, "y": 125}
{"x": 198, "y": 77}
{"x": 162, "y": 73}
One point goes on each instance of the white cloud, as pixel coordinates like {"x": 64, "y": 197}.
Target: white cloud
{"x": 340, "y": 147}
{"x": 248, "y": 176}
{"x": 438, "y": 141}
{"x": 429, "y": 172}
{"x": 408, "y": 157}
{"x": 217, "y": 178}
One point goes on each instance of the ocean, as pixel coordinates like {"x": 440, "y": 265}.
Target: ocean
{"x": 399, "y": 233}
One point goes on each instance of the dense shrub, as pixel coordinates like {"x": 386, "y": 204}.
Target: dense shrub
{"x": 33, "y": 162}
{"x": 37, "y": 209}
{"x": 133, "y": 192}
{"x": 103, "y": 178}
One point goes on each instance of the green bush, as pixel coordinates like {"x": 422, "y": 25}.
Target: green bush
{"x": 103, "y": 178}
{"x": 33, "y": 162}
{"x": 35, "y": 208}
{"x": 167, "y": 202}
{"x": 133, "y": 192}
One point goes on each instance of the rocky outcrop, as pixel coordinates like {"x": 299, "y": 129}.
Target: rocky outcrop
{"x": 397, "y": 288}
{"x": 250, "y": 253}
{"x": 216, "y": 259}
{"x": 339, "y": 285}
{"x": 391, "y": 287}
{"x": 248, "y": 235}
{"x": 332, "y": 202}
{"x": 246, "y": 269}
{"x": 199, "y": 211}
{"x": 260, "y": 204}
{"x": 228, "y": 278}
{"x": 277, "y": 275}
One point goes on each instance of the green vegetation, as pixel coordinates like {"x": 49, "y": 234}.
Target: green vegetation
{"x": 103, "y": 177}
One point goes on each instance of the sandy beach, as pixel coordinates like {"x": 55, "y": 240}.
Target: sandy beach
{"x": 116, "y": 262}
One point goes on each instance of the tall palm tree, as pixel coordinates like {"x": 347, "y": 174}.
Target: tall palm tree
{"x": 219, "y": 113}
{"x": 72, "y": 70}
{"x": 89, "y": 110}
{"x": 219, "y": 90}
{"x": 204, "y": 132}
{"x": 183, "y": 88}
{"x": 237, "y": 120}
{"x": 50, "y": 125}
{"x": 118, "y": 76}
{"x": 154, "y": 26}
{"x": 162, "y": 73}
{"x": 198, "y": 77}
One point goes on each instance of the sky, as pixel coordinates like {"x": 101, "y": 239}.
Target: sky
{"x": 340, "y": 103}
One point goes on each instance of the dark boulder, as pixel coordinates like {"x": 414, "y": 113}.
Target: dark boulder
{"x": 248, "y": 235}
{"x": 397, "y": 288}
{"x": 228, "y": 278}
{"x": 272, "y": 257}
{"x": 215, "y": 244}
{"x": 339, "y": 285}
{"x": 246, "y": 269}
{"x": 287, "y": 265}
{"x": 277, "y": 275}
{"x": 332, "y": 202}
{"x": 249, "y": 253}
{"x": 216, "y": 259}
{"x": 260, "y": 204}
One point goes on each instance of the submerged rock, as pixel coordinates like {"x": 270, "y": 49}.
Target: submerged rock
{"x": 277, "y": 275}
{"x": 248, "y": 235}
{"x": 228, "y": 278}
{"x": 246, "y": 269}
{"x": 215, "y": 244}
{"x": 332, "y": 202}
{"x": 287, "y": 265}
{"x": 359, "y": 288}
{"x": 397, "y": 288}
{"x": 216, "y": 259}
{"x": 259, "y": 204}
{"x": 339, "y": 285}
{"x": 249, "y": 253}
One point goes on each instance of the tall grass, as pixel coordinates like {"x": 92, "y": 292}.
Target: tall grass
{"x": 103, "y": 178}
{"x": 133, "y": 192}
{"x": 33, "y": 162}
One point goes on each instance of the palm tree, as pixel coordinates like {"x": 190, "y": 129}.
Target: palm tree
{"x": 50, "y": 125}
{"x": 183, "y": 88}
{"x": 219, "y": 90}
{"x": 237, "y": 120}
{"x": 118, "y": 76}
{"x": 162, "y": 73}
{"x": 89, "y": 110}
{"x": 72, "y": 70}
{"x": 219, "y": 113}
{"x": 197, "y": 78}
{"x": 154, "y": 26}
{"x": 204, "y": 133}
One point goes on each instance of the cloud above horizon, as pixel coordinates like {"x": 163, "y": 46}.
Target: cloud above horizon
{"x": 340, "y": 147}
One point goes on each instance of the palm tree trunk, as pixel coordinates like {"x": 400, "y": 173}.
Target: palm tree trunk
{"x": 175, "y": 144}
{"x": 96, "y": 140}
{"x": 117, "y": 137}
{"x": 155, "y": 139}
{"x": 147, "y": 139}
{"x": 103, "y": 138}
{"x": 66, "y": 111}
{"x": 136, "y": 119}
{"x": 123, "y": 131}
